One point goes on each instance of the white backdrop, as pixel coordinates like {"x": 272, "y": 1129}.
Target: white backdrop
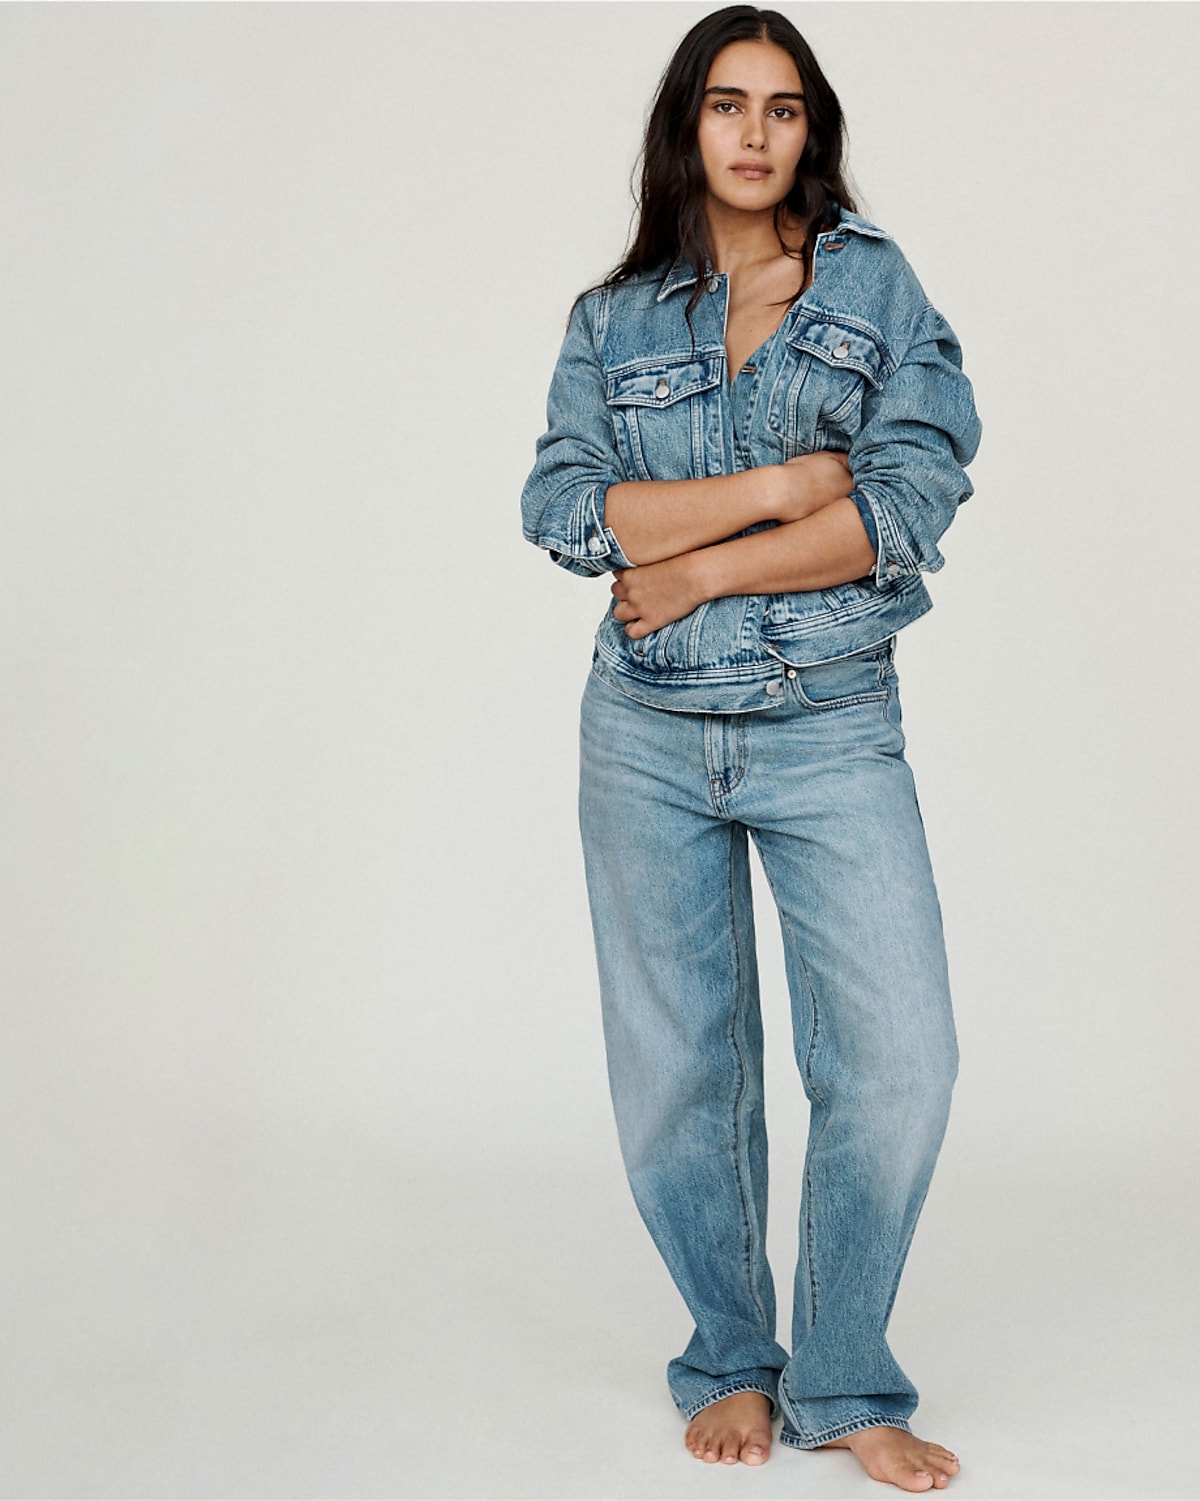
{"x": 306, "y": 1123}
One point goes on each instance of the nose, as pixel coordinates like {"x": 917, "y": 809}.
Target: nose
{"x": 754, "y": 132}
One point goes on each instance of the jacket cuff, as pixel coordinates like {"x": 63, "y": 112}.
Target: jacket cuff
{"x": 894, "y": 557}
{"x": 591, "y": 546}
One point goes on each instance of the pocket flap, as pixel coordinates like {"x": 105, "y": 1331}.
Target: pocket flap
{"x": 660, "y": 382}
{"x": 840, "y": 346}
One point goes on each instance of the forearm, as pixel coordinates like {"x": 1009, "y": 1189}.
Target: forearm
{"x": 656, "y": 519}
{"x": 828, "y": 547}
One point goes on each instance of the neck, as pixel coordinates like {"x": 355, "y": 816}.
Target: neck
{"x": 738, "y": 241}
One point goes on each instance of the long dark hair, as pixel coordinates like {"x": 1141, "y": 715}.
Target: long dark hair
{"x": 671, "y": 205}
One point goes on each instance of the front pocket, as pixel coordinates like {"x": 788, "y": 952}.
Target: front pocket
{"x": 861, "y": 678}
{"x": 658, "y": 413}
{"x": 836, "y": 362}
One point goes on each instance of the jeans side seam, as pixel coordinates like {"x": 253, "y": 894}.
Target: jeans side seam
{"x": 747, "y": 1219}
{"x": 786, "y": 925}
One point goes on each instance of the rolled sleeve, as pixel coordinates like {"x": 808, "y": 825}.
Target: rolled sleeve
{"x": 562, "y": 505}
{"x": 919, "y": 431}
{"x": 867, "y": 516}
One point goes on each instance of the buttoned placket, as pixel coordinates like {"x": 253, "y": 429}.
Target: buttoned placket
{"x": 739, "y": 402}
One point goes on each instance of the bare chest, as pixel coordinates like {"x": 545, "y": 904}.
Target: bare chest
{"x": 754, "y": 315}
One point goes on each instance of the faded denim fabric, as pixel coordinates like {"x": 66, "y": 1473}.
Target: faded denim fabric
{"x": 784, "y": 729}
{"x": 667, "y": 802}
{"x": 862, "y": 363}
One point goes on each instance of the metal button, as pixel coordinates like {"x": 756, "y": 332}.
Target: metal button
{"x": 713, "y": 284}
{"x": 893, "y": 569}
{"x": 595, "y": 544}
{"x": 791, "y": 672}
{"x": 842, "y": 350}
{"x": 662, "y": 389}
{"x": 773, "y": 688}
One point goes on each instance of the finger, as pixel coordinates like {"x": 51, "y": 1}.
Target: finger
{"x": 625, "y": 611}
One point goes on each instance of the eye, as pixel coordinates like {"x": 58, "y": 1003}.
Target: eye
{"x": 785, "y": 112}
{"x": 724, "y": 106}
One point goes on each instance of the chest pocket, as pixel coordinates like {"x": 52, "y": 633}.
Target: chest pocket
{"x": 835, "y": 363}
{"x": 663, "y": 417}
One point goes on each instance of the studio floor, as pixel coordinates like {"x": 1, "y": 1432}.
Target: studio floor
{"x": 231, "y": 1318}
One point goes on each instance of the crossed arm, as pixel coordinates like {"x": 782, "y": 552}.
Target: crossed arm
{"x": 673, "y": 530}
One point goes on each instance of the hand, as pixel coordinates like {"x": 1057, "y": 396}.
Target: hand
{"x": 813, "y": 481}
{"x": 655, "y": 594}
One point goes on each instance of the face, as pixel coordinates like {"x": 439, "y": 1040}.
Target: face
{"x": 753, "y": 126}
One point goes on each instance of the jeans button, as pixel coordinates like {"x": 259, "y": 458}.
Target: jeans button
{"x": 773, "y": 688}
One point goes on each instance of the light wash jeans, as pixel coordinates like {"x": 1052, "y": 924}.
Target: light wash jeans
{"x": 820, "y": 783}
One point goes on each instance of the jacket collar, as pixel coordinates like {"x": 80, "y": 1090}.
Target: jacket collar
{"x": 683, "y": 273}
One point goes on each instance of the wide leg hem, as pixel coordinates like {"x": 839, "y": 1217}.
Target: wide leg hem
{"x": 729, "y": 1389}
{"x": 795, "y": 1440}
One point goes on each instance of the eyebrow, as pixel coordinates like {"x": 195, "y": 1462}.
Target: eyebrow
{"x": 742, "y": 94}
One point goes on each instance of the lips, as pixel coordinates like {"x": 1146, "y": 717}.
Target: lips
{"x": 751, "y": 171}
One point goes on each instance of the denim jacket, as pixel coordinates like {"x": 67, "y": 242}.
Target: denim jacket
{"x": 862, "y": 363}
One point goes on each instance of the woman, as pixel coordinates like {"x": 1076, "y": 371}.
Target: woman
{"x": 757, "y": 425}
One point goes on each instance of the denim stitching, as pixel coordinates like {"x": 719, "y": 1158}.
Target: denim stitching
{"x": 693, "y": 640}
{"x": 855, "y": 1426}
{"x": 786, "y": 925}
{"x": 885, "y": 668}
{"x": 747, "y": 1220}
{"x": 729, "y": 1391}
{"x": 716, "y": 780}
{"x": 725, "y": 764}
{"x": 734, "y": 754}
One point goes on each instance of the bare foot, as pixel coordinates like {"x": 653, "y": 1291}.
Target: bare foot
{"x": 737, "y": 1427}
{"x": 906, "y": 1461}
